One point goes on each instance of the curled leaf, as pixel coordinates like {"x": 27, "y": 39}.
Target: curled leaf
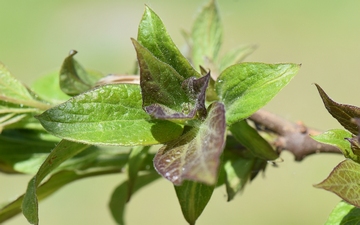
{"x": 343, "y": 113}
{"x": 196, "y": 154}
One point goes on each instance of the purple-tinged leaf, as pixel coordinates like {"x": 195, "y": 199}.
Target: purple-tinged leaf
{"x": 343, "y": 113}
{"x": 165, "y": 93}
{"x": 344, "y": 181}
{"x": 196, "y": 154}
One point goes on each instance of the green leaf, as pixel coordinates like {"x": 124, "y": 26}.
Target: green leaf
{"x": 63, "y": 151}
{"x": 14, "y": 94}
{"x": 109, "y": 115}
{"x": 165, "y": 93}
{"x": 235, "y": 55}
{"x": 32, "y": 147}
{"x": 119, "y": 197}
{"x": 152, "y": 35}
{"x": 193, "y": 198}
{"x": 340, "y": 139}
{"x": 253, "y": 141}
{"x": 74, "y": 79}
{"x": 341, "y": 112}
{"x": 137, "y": 157}
{"x": 196, "y": 154}
{"x": 344, "y": 181}
{"x": 246, "y": 87}
{"x": 344, "y": 213}
{"x": 206, "y": 35}
{"x": 54, "y": 183}
{"x": 48, "y": 88}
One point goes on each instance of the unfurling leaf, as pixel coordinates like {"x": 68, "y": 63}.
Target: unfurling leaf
{"x": 109, "y": 115}
{"x": 153, "y": 36}
{"x": 74, "y": 79}
{"x": 344, "y": 214}
{"x": 344, "y": 181}
{"x": 165, "y": 93}
{"x": 196, "y": 154}
{"x": 246, "y": 87}
{"x": 341, "y": 112}
{"x": 193, "y": 198}
{"x": 206, "y": 36}
{"x": 253, "y": 141}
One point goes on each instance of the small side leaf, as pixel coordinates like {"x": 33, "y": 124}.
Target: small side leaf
{"x": 152, "y": 35}
{"x": 340, "y": 139}
{"x": 341, "y": 112}
{"x": 74, "y": 79}
{"x": 206, "y": 35}
{"x": 246, "y": 87}
{"x": 344, "y": 181}
{"x": 196, "y": 154}
{"x": 63, "y": 151}
{"x": 344, "y": 213}
{"x": 109, "y": 115}
{"x": 193, "y": 198}
{"x": 253, "y": 141}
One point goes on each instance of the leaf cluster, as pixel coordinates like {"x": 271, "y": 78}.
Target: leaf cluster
{"x": 186, "y": 120}
{"x": 344, "y": 178}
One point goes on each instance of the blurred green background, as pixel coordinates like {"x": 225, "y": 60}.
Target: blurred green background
{"x": 36, "y": 35}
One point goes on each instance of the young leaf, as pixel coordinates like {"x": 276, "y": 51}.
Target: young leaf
{"x": 196, "y": 154}
{"x": 63, "y": 151}
{"x": 152, "y": 35}
{"x": 338, "y": 138}
{"x": 47, "y": 87}
{"x": 110, "y": 115}
{"x": 344, "y": 181}
{"x": 74, "y": 79}
{"x": 193, "y": 198}
{"x": 252, "y": 140}
{"x": 165, "y": 93}
{"x": 206, "y": 35}
{"x": 120, "y": 197}
{"x": 344, "y": 213}
{"x": 341, "y": 112}
{"x": 136, "y": 159}
{"x": 246, "y": 87}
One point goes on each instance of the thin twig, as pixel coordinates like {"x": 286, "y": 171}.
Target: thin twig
{"x": 293, "y": 137}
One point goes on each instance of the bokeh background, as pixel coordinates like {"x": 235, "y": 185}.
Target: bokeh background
{"x": 36, "y": 35}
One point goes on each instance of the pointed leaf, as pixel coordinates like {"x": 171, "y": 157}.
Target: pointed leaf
{"x": 119, "y": 197}
{"x": 246, "y": 87}
{"x": 253, "y": 141}
{"x": 196, "y": 154}
{"x": 63, "y": 151}
{"x": 193, "y": 198}
{"x": 152, "y": 35}
{"x": 110, "y": 115}
{"x": 338, "y": 138}
{"x": 206, "y": 35}
{"x": 74, "y": 79}
{"x": 137, "y": 157}
{"x": 344, "y": 213}
{"x": 166, "y": 94}
{"x": 341, "y": 112}
{"x": 344, "y": 181}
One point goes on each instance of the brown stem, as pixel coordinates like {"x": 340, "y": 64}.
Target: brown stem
{"x": 293, "y": 137}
